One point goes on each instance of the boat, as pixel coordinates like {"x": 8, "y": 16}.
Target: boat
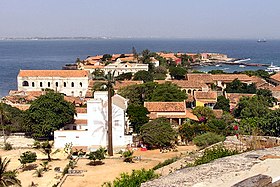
{"x": 263, "y": 40}
{"x": 272, "y": 68}
{"x": 242, "y": 66}
{"x": 218, "y": 65}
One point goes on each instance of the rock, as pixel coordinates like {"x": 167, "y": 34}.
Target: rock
{"x": 255, "y": 181}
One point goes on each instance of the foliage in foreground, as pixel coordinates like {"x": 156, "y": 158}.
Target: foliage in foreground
{"x": 27, "y": 157}
{"x": 99, "y": 154}
{"x": 7, "y": 178}
{"x": 134, "y": 180}
{"x": 128, "y": 156}
{"x": 213, "y": 154}
{"x": 165, "y": 163}
{"x": 8, "y": 146}
{"x": 207, "y": 139}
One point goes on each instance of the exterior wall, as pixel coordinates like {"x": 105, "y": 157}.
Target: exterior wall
{"x": 125, "y": 68}
{"x": 78, "y": 90}
{"x": 95, "y": 133}
{"x": 192, "y": 90}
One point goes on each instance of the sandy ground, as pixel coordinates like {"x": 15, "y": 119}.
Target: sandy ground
{"x": 26, "y": 177}
{"x": 97, "y": 175}
{"x": 268, "y": 167}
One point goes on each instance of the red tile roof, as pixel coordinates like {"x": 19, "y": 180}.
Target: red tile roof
{"x": 231, "y": 77}
{"x": 207, "y": 78}
{"x": 276, "y": 77}
{"x": 165, "y": 106}
{"x": 81, "y": 110}
{"x": 205, "y": 95}
{"x": 80, "y": 121}
{"x": 121, "y": 84}
{"x": 53, "y": 73}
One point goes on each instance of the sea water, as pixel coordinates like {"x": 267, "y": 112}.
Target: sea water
{"x": 53, "y": 54}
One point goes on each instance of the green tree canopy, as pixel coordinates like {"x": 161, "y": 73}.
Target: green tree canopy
{"x": 167, "y": 92}
{"x": 178, "y": 72}
{"x": 144, "y": 76}
{"x": 137, "y": 115}
{"x": 158, "y": 133}
{"x": 222, "y": 103}
{"x": 203, "y": 113}
{"x": 27, "y": 157}
{"x": 236, "y": 86}
{"x": 48, "y": 113}
{"x": 106, "y": 57}
{"x": 124, "y": 76}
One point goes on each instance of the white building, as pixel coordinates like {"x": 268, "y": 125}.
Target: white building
{"x": 91, "y": 125}
{"x": 120, "y": 68}
{"x": 70, "y": 82}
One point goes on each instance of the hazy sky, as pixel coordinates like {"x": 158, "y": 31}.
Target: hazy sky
{"x": 141, "y": 18}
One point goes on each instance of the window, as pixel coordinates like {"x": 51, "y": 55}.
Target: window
{"x": 56, "y": 84}
{"x": 81, "y": 84}
{"x": 81, "y": 93}
{"x": 72, "y": 84}
{"x": 33, "y": 84}
{"x": 49, "y": 84}
{"x": 74, "y": 128}
{"x": 117, "y": 123}
{"x": 25, "y": 83}
{"x": 64, "y": 84}
{"x": 72, "y": 93}
{"x": 41, "y": 84}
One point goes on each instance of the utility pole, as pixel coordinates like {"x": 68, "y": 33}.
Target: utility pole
{"x": 110, "y": 125}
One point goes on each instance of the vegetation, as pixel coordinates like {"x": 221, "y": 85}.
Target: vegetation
{"x": 7, "y": 178}
{"x": 124, "y": 76}
{"x": 222, "y": 103}
{"x": 207, "y": 139}
{"x": 158, "y": 133}
{"x": 45, "y": 165}
{"x": 213, "y": 154}
{"x": 8, "y": 146}
{"x": 144, "y": 76}
{"x": 48, "y": 113}
{"x": 133, "y": 180}
{"x": 178, "y": 73}
{"x": 137, "y": 115}
{"x": 165, "y": 163}
{"x": 27, "y": 157}
{"x": 128, "y": 156}
{"x": 39, "y": 172}
{"x": 47, "y": 149}
{"x": 99, "y": 154}
{"x": 203, "y": 113}
{"x": 236, "y": 86}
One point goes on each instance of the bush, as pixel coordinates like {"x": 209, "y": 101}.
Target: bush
{"x": 8, "y": 146}
{"x": 128, "y": 156}
{"x": 134, "y": 180}
{"x": 99, "y": 154}
{"x": 165, "y": 163}
{"x": 27, "y": 157}
{"x": 207, "y": 139}
{"x": 214, "y": 153}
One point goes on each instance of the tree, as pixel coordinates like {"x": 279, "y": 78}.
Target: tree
{"x": 158, "y": 133}
{"x": 47, "y": 149}
{"x": 99, "y": 154}
{"x": 203, "y": 113}
{"x": 27, "y": 157}
{"x": 134, "y": 52}
{"x": 145, "y": 56}
{"x": 248, "y": 107}
{"x": 217, "y": 71}
{"x": 137, "y": 115}
{"x": 267, "y": 94}
{"x": 97, "y": 73}
{"x": 144, "y": 76}
{"x": 167, "y": 92}
{"x": 7, "y": 178}
{"x": 106, "y": 57}
{"x": 236, "y": 86}
{"x": 124, "y": 76}
{"x": 178, "y": 73}
{"x": 48, "y": 113}
{"x": 222, "y": 103}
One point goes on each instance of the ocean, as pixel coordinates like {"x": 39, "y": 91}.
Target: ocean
{"x": 53, "y": 54}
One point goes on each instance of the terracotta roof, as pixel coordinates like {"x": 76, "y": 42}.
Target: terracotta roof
{"x": 128, "y": 59}
{"x": 21, "y": 106}
{"x": 165, "y": 106}
{"x": 188, "y": 114}
{"x": 189, "y": 84}
{"x": 53, "y": 73}
{"x": 207, "y": 78}
{"x": 276, "y": 77}
{"x": 231, "y": 77}
{"x": 80, "y": 121}
{"x": 93, "y": 66}
{"x": 75, "y": 100}
{"x": 98, "y": 57}
{"x": 205, "y": 95}
{"x": 81, "y": 110}
{"x": 235, "y": 97}
{"x": 121, "y": 84}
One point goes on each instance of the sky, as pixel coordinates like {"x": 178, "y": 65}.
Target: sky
{"x": 195, "y": 19}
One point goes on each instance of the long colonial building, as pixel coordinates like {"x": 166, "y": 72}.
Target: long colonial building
{"x": 69, "y": 82}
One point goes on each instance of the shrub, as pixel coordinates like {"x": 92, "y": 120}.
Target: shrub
{"x": 65, "y": 170}
{"x": 8, "y": 146}
{"x": 165, "y": 163}
{"x": 99, "y": 154}
{"x": 128, "y": 156}
{"x": 134, "y": 180}
{"x": 27, "y": 157}
{"x": 39, "y": 172}
{"x": 207, "y": 139}
{"x": 214, "y": 153}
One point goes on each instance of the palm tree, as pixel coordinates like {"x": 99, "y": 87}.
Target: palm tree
{"x": 7, "y": 178}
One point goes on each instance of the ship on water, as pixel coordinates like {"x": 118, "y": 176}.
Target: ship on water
{"x": 261, "y": 40}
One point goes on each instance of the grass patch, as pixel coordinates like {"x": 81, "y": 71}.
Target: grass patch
{"x": 165, "y": 163}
